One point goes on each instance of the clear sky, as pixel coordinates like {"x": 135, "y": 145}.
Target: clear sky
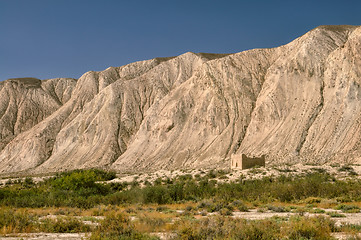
{"x": 66, "y": 38}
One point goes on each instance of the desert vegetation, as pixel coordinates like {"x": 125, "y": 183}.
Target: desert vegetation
{"x": 89, "y": 188}
{"x": 187, "y": 206}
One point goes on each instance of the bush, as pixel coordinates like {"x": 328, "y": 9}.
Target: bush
{"x": 117, "y": 226}
{"x": 81, "y": 188}
{"x": 353, "y": 228}
{"x": 189, "y": 208}
{"x": 228, "y": 228}
{"x": 84, "y": 181}
{"x": 28, "y": 182}
{"x": 312, "y": 200}
{"x": 317, "y": 210}
{"x": 152, "y": 222}
{"x": 265, "y": 229}
{"x": 309, "y": 228}
{"x": 348, "y": 208}
{"x": 335, "y": 214}
{"x": 276, "y": 208}
{"x": 220, "y": 227}
{"x": 225, "y": 212}
{"x": 15, "y": 222}
{"x": 156, "y": 194}
{"x": 63, "y": 225}
{"x": 240, "y": 206}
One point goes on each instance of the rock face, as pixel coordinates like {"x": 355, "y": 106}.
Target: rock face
{"x": 297, "y": 102}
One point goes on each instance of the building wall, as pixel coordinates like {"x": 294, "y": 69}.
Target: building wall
{"x": 244, "y": 162}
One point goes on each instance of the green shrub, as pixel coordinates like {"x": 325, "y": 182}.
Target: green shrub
{"x": 225, "y": 212}
{"x": 28, "y": 182}
{"x": 118, "y": 186}
{"x": 76, "y": 181}
{"x": 156, "y": 194}
{"x": 348, "y": 208}
{"x": 82, "y": 189}
{"x": 240, "y": 206}
{"x": 276, "y": 208}
{"x": 316, "y": 210}
{"x": 186, "y": 177}
{"x": 211, "y": 174}
{"x": 335, "y": 214}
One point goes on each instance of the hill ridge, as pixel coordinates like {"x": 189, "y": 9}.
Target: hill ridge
{"x": 294, "y": 103}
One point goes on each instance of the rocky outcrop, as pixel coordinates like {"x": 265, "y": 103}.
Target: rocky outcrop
{"x": 297, "y": 102}
{"x": 27, "y": 101}
{"x": 308, "y": 107}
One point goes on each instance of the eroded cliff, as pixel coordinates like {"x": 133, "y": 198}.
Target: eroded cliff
{"x": 297, "y": 102}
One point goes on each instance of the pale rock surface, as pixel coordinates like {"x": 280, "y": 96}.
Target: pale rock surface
{"x": 103, "y": 130}
{"x": 296, "y": 103}
{"x": 31, "y": 148}
{"x": 27, "y": 101}
{"x": 309, "y": 106}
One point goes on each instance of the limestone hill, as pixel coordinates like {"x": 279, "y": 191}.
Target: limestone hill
{"x": 300, "y": 102}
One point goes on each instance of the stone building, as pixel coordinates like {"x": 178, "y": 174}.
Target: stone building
{"x": 244, "y": 162}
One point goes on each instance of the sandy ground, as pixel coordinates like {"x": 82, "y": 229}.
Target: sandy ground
{"x": 229, "y": 175}
{"x": 351, "y": 218}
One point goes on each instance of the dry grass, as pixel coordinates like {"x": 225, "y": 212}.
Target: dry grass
{"x": 179, "y": 206}
{"x": 145, "y": 219}
{"x": 218, "y": 199}
{"x": 154, "y": 222}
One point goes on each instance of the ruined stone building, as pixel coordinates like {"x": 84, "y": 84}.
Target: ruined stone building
{"x": 244, "y": 162}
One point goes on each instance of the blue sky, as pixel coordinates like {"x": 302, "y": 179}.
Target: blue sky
{"x": 66, "y": 38}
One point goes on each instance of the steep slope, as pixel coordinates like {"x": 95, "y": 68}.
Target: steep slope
{"x": 339, "y": 139}
{"x": 300, "y": 105}
{"x": 292, "y": 79}
{"x": 27, "y": 101}
{"x": 202, "y": 121}
{"x": 31, "y": 148}
{"x": 297, "y": 102}
{"x": 107, "y": 124}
